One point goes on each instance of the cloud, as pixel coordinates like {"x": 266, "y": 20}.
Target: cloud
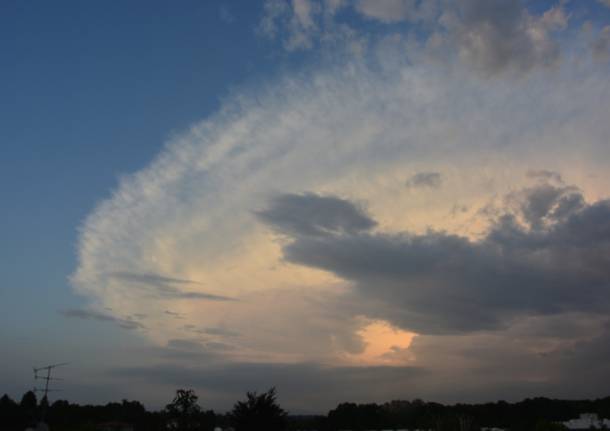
{"x": 222, "y": 332}
{"x": 307, "y": 24}
{"x": 553, "y": 262}
{"x": 181, "y": 344}
{"x": 297, "y": 19}
{"x": 174, "y": 314}
{"x": 542, "y": 358}
{"x": 544, "y": 203}
{"x": 544, "y": 175}
{"x": 185, "y": 352}
{"x": 560, "y": 356}
{"x": 148, "y": 278}
{"x": 501, "y": 35}
{"x": 87, "y": 314}
{"x": 268, "y": 240}
{"x": 163, "y": 286}
{"x": 389, "y": 11}
{"x": 291, "y": 200}
{"x": 492, "y": 37}
{"x": 84, "y": 314}
{"x": 311, "y": 214}
{"x": 426, "y": 180}
{"x": 225, "y": 14}
{"x": 601, "y": 45}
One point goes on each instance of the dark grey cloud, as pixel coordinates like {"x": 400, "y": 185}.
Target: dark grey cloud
{"x": 548, "y": 256}
{"x": 130, "y": 324}
{"x": 164, "y": 286}
{"x": 148, "y": 278}
{"x": 315, "y": 215}
{"x": 425, "y": 179}
{"x": 79, "y": 313}
{"x": 195, "y": 349}
{"x": 186, "y": 351}
{"x": 537, "y": 355}
{"x": 494, "y": 36}
{"x": 87, "y": 315}
{"x": 565, "y": 355}
{"x": 460, "y": 368}
{"x": 546, "y": 203}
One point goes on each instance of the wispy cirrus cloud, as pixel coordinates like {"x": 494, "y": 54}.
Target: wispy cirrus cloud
{"x": 164, "y": 286}
{"x": 85, "y": 314}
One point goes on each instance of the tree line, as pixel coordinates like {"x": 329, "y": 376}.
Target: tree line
{"x": 262, "y": 412}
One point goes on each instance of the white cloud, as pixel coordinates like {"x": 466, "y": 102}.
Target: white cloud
{"x": 183, "y": 236}
{"x": 310, "y": 24}
{"x": 500, "y": 36}
{"x": 296, "y": 19}
{"x": 390, "y": 11}
{"x": 385, "y": 10}
{"x": 491, "y": 37}
{"x": 601, "y": 45}
{"x": 189, "y": 216}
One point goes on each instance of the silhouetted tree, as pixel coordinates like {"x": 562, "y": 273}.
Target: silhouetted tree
{"x": 29, "y": 401}
{"x": 183, "y": 412}
{"x": 9, "y": 412}
{"x": 356, "y": 416}
{"x": 534, "y": 414}
{"x": 29, "y": 407}
{"x": 258, "y": 412}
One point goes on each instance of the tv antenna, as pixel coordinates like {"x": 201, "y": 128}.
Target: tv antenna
{"x": 44, "y": 373}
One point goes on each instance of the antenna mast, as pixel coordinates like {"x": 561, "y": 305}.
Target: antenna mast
{"x": 44, "y": 373}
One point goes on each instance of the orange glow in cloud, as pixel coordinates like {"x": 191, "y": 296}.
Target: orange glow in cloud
{"x": 385, "y": 345}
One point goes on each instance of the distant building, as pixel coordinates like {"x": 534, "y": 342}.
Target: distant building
{"x": 40, "y": 426}
{"x": 114, "y": 426}
{"x": 587, "y": 421}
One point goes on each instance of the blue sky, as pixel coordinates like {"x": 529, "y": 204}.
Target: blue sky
{"x": 156, "y": 153}
{"x": 91, "y": 93}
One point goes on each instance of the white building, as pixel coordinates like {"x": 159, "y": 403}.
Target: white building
{"x": 587, "y": 421}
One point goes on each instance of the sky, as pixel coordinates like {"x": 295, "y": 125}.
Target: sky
{"x": 349, "y": 200}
